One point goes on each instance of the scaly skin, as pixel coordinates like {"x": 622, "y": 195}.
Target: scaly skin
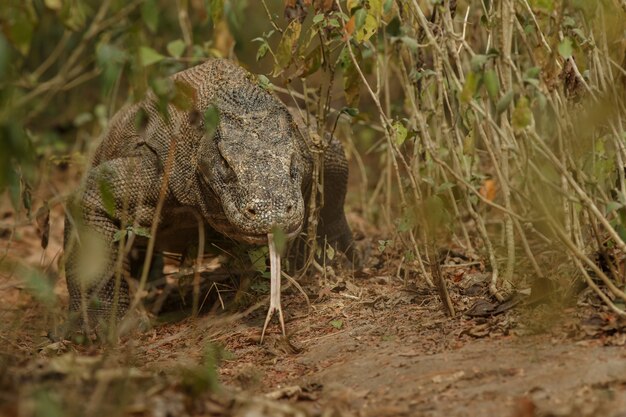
{"x": 246, "y": 178}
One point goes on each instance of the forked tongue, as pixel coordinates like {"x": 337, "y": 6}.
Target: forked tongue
{"x": 274, "y": 286}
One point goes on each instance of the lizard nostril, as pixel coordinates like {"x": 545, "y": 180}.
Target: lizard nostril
{"x": 250, "y": 210}
{"x": 289, "y": 208}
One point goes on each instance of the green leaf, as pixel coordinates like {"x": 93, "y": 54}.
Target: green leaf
{"x": 318, "y": 18}
{"x": 108, "y": 198}
{"x": 38, "y": 285}
{"x": 287, "y": 46}
{"x": 522, "y": 116}
{"x": 337, "y": 324}
{"x": 55, "y": 5}
{"x": 470, "y": 87}
{"x": 407, "y": 221}
{"x": 410, "y": 42}
{"x": 148, "y": 56}
{"x": 19, "y": 31}
{"x": 492, "y": 84}
{"x": 45, "y": 402}
{"x": 264, "y": 82}
{"x": 263, "y": 48}
{"x": 612, "y": 206}
{"x": 376, "y": 8}
{"x": 351, "y": 111}
{"x": 436, "y": 215}
{"x": 369, "y": 27}
{"x": 258, "y": 257}
{"x": 211, "y": 120}
{"x": 440, "y": 189}
{"x": 184, "y": 95}
{"x": 544, "y": 5}
{"x": 110, "y": 60}
{"x": 119, "y": 235}
{"x": 217, "y": 11}
{"x": 330, "y": 252}
{"x": 621, "y": 231}
{"x": 142, "y": 231}
{"x": 280, "y": 239}
{"x": 5, "y": 57}
{"x": 532, "y": 73}
{"x": 150, "y": 15}
{"x": 565, "y": 48}
{"x": 74, "y": 15}
{"x": 504, "y": 102}
{"x": 82, "y": 119}
{"x": 176, "y": 48}
{"x": 351, "y": 5}
{"x": 359, "y": 18}
{"x": 400, "y": 132}
{"x": 478, "y": 62}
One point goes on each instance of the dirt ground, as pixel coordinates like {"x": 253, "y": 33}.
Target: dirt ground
{"x": 369, "y": 344}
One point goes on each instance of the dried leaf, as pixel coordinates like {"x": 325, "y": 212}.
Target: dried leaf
{"x": 223, "y": 41}
{"x": 489, "y": 189}
{"x": 351, "y": 79}
{"x": 287, "y": 47}
{"x": 324, "y": 6}
{"x": 311, "y": 63}
{"x": 349, "y": 28}
{"x": 296, "y": 10}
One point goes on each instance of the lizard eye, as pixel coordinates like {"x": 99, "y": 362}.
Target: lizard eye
{"x": 225, "y": 171}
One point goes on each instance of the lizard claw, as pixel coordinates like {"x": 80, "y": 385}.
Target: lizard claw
{"x": 274, "y": 288}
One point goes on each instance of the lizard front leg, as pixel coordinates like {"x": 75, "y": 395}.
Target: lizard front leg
{"x": 118, "y": 193}
{"x": 333, "y": 227}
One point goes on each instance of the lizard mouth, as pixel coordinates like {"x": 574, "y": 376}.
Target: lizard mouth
{"x": 261, "y": 239}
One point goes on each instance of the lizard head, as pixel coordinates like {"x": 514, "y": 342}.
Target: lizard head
{"x": 253, "y": 165}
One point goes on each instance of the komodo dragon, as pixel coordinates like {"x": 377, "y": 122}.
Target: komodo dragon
{"x": 251, "y": 173}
